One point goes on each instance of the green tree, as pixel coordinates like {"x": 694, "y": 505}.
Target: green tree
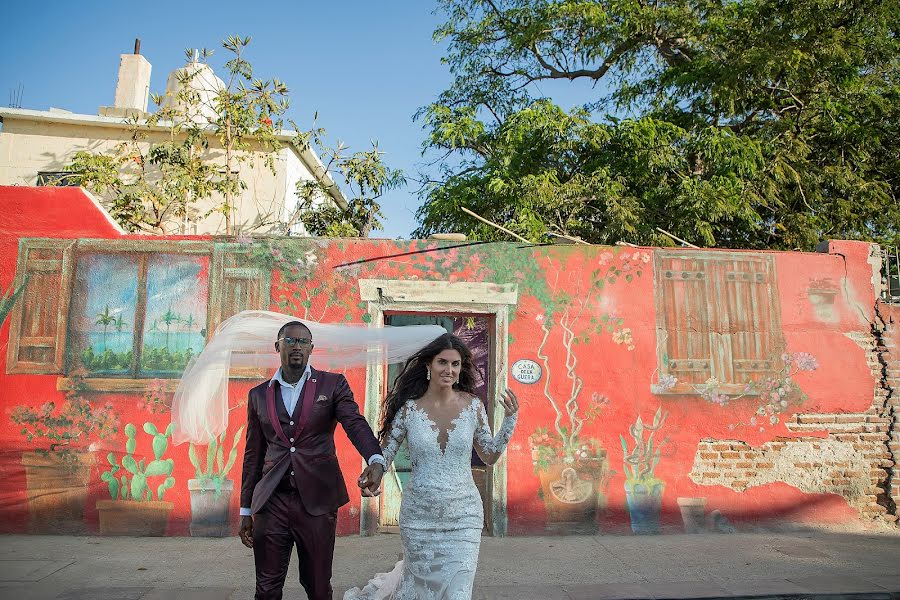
{"x": 367, "y": 178}
{"x": 754, "y": 123}
{"x": 105, "y": 319}
{"x": 120, "y": 324}
{"x": 153, "y": 185}
{"x": 169, "y": 318}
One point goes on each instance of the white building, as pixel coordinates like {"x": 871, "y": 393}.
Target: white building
{"x": 36, "y": 146}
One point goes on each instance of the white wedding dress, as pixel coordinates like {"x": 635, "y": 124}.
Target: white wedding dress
{"x": 441, "y": 514}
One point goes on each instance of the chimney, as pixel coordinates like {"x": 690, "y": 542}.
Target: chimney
{"x": 133, "y": 86}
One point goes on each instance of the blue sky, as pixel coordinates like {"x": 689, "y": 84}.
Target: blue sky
{"x": 364, "y": 66}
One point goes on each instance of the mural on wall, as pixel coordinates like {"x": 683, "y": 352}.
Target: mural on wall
{"x": 100, "y": 330}
{"x": 60, "y": 438}
{"x": 137, "y": 487}
{"x": 573, "y": 467}
{"x": 643, "y": 490}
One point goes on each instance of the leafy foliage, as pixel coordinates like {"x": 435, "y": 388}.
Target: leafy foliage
{"x": 68, "y": 426}
{"x": 367, "y": 178}
{"x": 153, "y": 184}
{"x": 756, "y": 123}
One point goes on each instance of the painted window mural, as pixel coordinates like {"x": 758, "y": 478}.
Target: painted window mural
{"x": 138, "y": 315}
{"x": 718, "y": 322}
{"x": 175, "y": 319}
{"x": 102, "y": 319}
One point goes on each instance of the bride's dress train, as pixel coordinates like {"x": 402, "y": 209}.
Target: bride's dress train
{"x": 441, "y": 514}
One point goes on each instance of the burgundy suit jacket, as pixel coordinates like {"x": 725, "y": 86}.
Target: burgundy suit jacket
{"x": 302, "y": 443}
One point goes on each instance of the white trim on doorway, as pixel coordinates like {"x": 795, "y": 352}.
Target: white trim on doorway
{"x": 441, "y": 297}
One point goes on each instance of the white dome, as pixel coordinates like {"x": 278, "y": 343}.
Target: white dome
{"x": 205, "y": 85}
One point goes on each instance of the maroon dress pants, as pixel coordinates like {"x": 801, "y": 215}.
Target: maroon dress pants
{"x": 281, "y": 524}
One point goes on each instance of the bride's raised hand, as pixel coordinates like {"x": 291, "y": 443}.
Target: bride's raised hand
{"x": 510, "y": 402}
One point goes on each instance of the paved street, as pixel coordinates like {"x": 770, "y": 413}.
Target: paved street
{"x": 798, "y": 565}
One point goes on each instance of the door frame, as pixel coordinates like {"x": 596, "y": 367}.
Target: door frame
{"x": 411, "y": 296}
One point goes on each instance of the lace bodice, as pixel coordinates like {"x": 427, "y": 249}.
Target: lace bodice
{"x": 441, "y": 514}
{"x": 440, "y": 488}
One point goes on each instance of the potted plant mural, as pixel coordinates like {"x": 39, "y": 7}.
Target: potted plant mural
{"x": 60, "y": 457}
{"x": 211, "y": 489}
{"x": 574, "y": 469}
{"x": 643, "y": 490}
{"x": 133, "y": 507}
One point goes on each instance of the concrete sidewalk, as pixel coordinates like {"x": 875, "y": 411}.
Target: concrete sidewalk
{"x": 783, "y": 565}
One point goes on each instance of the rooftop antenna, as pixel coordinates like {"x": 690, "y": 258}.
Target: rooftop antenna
{"x": 15, "y": 96}
{"x": 137, "y": 45}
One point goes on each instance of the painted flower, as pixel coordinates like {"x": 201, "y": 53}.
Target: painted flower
{"x": 622, "y": 336}
{"x": 598, "y": 398}
{"x": 753, "y": 420}
{"x": 773, "y": 419}
{"x": 806, "y": 361}
{"x": 244, "y": 239}
{"x": 720, "y": 399}
{"x": 645, "y": 257}
{"x": 605, "y": 258}
{"x": 667, "y": 381}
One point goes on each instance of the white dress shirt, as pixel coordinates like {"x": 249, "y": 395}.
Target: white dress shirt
{"x": 290, "y": 395}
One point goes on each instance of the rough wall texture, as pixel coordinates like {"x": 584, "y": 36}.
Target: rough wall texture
{"x": 657, "y": 385}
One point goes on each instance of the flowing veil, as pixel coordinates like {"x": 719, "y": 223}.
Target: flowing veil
{"x": 200, "y": 405}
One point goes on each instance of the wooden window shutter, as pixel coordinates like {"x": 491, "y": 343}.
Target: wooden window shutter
{"x": 750, "y": 321}
{"x": 685, "y": 348}
{"x": 235, "y": 284}
{"x": 37, "y": 334}
{"x": 718, "y": 315}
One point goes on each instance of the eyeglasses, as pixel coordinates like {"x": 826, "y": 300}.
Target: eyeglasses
{"x": 296, "y": 341}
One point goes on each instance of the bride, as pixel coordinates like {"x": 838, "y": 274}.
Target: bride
{"x": 433, "y": 408}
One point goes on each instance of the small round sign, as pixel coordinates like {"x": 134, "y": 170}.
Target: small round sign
{"x": 526, "y": 371}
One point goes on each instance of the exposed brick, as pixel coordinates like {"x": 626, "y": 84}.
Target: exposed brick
{"x": 857, "y": 418}
{"x": 871, "y": 419}
{"x": 709, "y": 455}
{"x": 728, "y": 454}
{"x": 815, "y": 418}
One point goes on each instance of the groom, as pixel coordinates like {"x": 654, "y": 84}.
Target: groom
{"x": 292, "y": 485}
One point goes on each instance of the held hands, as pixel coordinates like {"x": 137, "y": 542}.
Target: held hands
{"x": 246, "y": 532}
{"x": 510, "y": 402}
{"x": 370, "y": 480}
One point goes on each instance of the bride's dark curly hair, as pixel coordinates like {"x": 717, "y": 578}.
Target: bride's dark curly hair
{"x": 411, "y": 382}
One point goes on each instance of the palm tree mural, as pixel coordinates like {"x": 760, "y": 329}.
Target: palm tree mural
{"x": 120, "y": 325}
{"x": 168, "y": 319}
{"x": 105, "y": 319}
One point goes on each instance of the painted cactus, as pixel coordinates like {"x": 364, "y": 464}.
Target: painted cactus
{"x": 217, "y": 468}
{"x": 134, "y": 484}
{"x": 641, "y": 461}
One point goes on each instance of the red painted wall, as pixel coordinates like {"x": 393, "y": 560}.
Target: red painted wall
{"x": 590, "y": 317}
